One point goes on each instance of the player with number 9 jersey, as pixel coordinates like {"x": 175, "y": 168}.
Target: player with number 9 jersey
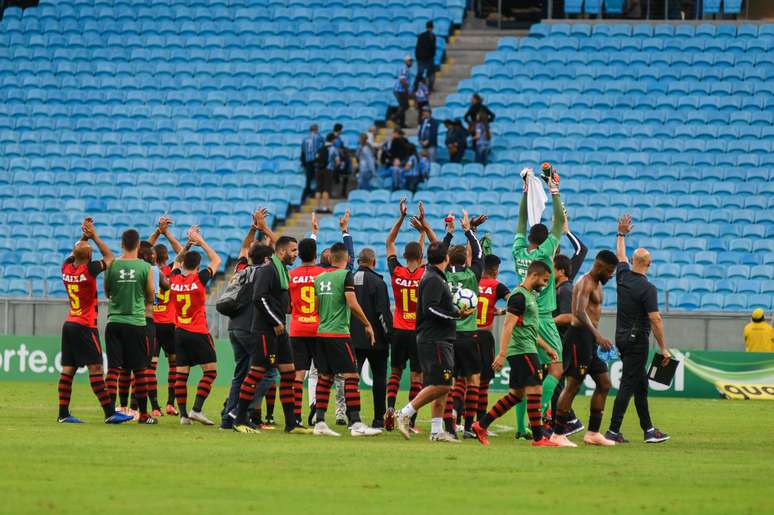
{"x": 304, "y": 316}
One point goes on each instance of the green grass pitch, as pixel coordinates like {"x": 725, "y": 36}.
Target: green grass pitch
{"x": 720, "y": 460}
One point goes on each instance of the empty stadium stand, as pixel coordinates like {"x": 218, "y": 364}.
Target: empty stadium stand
{"x": 671, "y": 122}
{"x": 196, "y": 108}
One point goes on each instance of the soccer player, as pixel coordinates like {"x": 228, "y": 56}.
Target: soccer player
{"x": 467, "y": 357}
{"x": 541, "y": 245}
{"x": 129, "y": 287}
{"x": 148, "y": 254}
{"x": 436, "y": 332}
{"x": 583, "y": 337}
{"x": 403, "y": 346}
{"x": 80, "y": 338}
{"x": 518, "y": 344}
{"x": 304, "y": 317}
{"x": 490, "y": 290}
{"x": 193, "y": 342}
{"x": 163, "y": 310}
{"x": 335, "y": 293}
{"x": 271, "y": 298}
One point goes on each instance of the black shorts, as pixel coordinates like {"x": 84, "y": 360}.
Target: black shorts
{"x": 127, "y": 346}
{"x": 403, "y": 347}
{"x": 582, "y": 354}
{"x": 303, "y": 348}
{"x": 486, "y": 348}
{"x": 271, "y": 350}
{"x": 165, "y": 339}
{"x": 80, "y": 345}
{"x": 467, "y": 356}
{"x": 334, "y": 356}
{"x": 437, "y": 361}
{"x": 193, "y": 348}
{"x": 525, "y": 371}
{"x": 324, "y": 180}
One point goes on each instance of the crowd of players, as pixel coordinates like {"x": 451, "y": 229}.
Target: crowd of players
{"x": 549, "y": 338}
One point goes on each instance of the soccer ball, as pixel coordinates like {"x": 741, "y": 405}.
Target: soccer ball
{"x": 465, "y": 299}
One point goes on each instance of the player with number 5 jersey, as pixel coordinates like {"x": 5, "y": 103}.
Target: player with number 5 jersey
{"x": 193, "y": 342}
{"x": 80, "y": 338}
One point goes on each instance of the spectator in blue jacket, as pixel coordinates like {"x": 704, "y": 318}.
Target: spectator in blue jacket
{"x": 403, "y": 90}
{"x": 410, "y": 177}
{"x": 428, "y": 133}
{"x": 456, "y": 140}
{"x": 344, "y": 170}
{"x": 309, "y": 148}
{"x": 421, "y": 94}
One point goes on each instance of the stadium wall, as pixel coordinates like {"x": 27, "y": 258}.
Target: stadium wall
{"x": 684, "y": 330}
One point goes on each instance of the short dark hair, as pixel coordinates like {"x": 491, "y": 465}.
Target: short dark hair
{"x": 162, "y": 254}
{"x": 458, "y": 255}
{"x": 307, "y": 250}
{"x": 338, "y": 251}
{"x": 337, "y": 127}
{"x": 366, "y": 256}
{"x": 538, "y": 234}
{"x": 491, "y": 262}
{"x": 429, "y": 24}
{"x": 258, "y": 252}
{"x": 284, "y": 241}
{"x": 538, "y": 267}
{"x": 330, "y": 138}
{"x": 192, "y": 260}
{"x": 146, "y": 252}
{"x": 607, "y": 257}
{"x": 436, "y": 253}
{"x": 130, "y": 239}
{"x": 563, "y": 263}
{"x": 412, "y": 251}
{"x": 325, "y": 257}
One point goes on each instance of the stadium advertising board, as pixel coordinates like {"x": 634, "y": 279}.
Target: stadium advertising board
{"x": 707, "y": 374}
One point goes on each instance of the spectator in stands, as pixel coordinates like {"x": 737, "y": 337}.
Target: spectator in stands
{"x": 309, "y": 148}
{"x": 327, "y": 161}
{"x": 428, "y": 133}
{"x": 456, "y": 140}
{"x": 395, "y": 147}
{"x": 424, "y": 165}
{"x": 410, "y": 176}
{"x": 344, "y": 170}
{"x": 632, "y": 10}
{"x": 421, "y": 94}
{"x": 372, "y": 132}
{"x": 758, "y": 334}
{"x": 391, "y": 176}
{"x": 403, "y": 90}
{"x": 425, "y": 54}
{"x": 482, "y": 138}
{"x": 366, "y": 163}
{"x": 471, "y": 116}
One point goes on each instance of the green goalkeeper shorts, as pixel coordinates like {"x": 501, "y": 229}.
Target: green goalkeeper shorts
{"x": 548, "y": 332}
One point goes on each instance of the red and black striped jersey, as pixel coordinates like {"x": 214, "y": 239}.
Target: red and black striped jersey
{"x": 189, "y": 296}
{"x": 164, "y": 308}
{"x": 405, "y": 288}
{"x": 489, "y": 292}
{"x": 80, "y": 282}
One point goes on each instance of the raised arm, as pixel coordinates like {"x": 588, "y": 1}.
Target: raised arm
{"x": 476, "y": 252}
{"x": 347, "y": 239}
{"x": 214, "y": 264}
{"x": 579, "y": 250}
{"x": 249, "y": 239}
{"x": 559, "y": 216}
{"x": 521, "y": 224}
{"x": 393, "y": 235}
{"x": 89, "y": 231}
{"x": 425, "y": 225}
{"x": 624, "y": 227}
{"x": 259, "y": 218}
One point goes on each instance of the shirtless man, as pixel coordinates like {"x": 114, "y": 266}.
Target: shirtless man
{"x": 582, "y": 339}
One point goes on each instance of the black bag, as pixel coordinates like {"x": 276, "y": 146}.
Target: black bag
{"x": 238, "y": 293}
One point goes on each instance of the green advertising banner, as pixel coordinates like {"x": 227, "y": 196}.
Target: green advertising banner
{"x": 708, "y": 374}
